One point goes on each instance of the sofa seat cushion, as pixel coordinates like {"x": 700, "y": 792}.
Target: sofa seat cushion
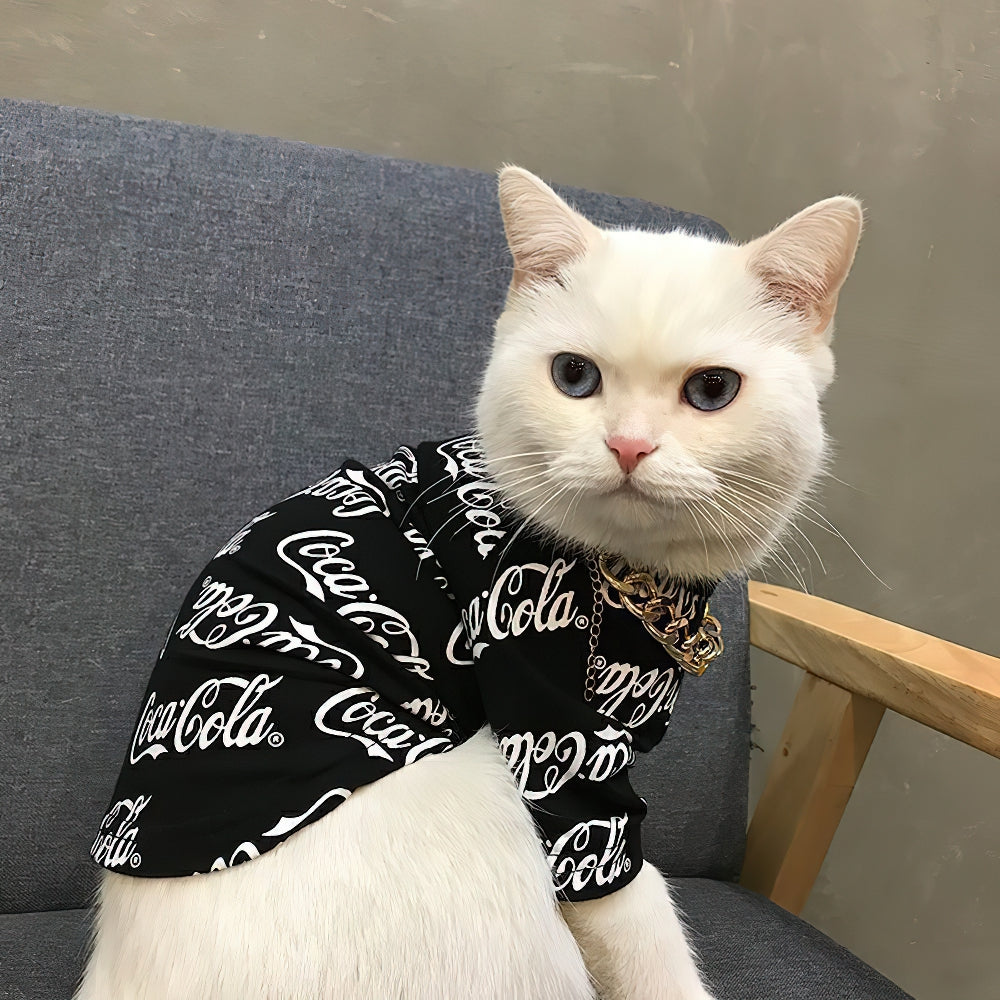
{"x": 750, "y": 950}
{"x": 41, "y": 954}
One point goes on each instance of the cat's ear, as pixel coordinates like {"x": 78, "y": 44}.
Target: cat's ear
{"x": 543, "y": 232}
{"x": 804, "y": 262}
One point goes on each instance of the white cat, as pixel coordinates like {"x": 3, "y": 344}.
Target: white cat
{"x": 652, "y": 395}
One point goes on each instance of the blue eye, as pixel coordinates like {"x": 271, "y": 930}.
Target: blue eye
{"x": 575, "y": 376}
{"x": 712, "y": 389}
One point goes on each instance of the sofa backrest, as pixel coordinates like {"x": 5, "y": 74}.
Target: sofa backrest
{"x": 194, "y": 324}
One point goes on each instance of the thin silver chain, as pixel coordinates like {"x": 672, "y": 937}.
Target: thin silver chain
{"x": 594, "y": 662}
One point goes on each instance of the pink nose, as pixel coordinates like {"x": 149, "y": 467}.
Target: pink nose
{"x": 630, "y": 451}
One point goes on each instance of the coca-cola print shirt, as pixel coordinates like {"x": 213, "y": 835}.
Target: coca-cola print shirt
{"x": 362, "y": 624}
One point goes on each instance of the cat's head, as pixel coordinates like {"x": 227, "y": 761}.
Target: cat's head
{"x": 656, "y": 395}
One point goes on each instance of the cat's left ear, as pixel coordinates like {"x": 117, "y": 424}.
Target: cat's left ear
{"x": 543, "y": 232}
{"x": 804, "y": 262}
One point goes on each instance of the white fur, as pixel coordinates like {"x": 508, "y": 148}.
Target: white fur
{"x": 432, "y": 882}
{"x": 633, "y": 943}
{"x": 370, "y": 902}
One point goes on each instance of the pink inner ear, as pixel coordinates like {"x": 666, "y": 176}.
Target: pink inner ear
{"x": 805, "y": 293}
{"x": 805, "y": 260}
{"x": 543, "y": 232}
{"x": 536, "y": 260}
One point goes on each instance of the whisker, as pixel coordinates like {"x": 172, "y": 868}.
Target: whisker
{"x": 420, "y": 495}
{"x": 704, "y": 541}
{"x": 720, "y": 532}
{"x": 805, "y": 504}
{"x": 580, "y": 490}
{"x": 748, "y": 505}
{"x": 843, "y": 482}
{"x": 488, "y": 485}
{"x": 775, "y": 540}
{"x": 786, "y": 516}
{"x": 524, "y": 523}
{"x": 521, "y": 454}
{"x": 445, "y": 523}
{"x": 756, "y": 540}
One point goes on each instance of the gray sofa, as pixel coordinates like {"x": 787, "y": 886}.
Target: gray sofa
{"x": 193, "y": 324}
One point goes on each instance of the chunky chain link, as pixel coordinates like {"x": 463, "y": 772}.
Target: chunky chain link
{"x": 693, "y": 649}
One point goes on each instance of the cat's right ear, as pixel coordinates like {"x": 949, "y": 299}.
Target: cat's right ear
{"x": 803, "y": 263}
{"x": 544, "y": 234}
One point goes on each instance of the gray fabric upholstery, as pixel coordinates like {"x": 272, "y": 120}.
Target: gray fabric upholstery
{"x": 750, "y": 948}
{"x": 42, "y": 954}
{"x": 195, "y": 324}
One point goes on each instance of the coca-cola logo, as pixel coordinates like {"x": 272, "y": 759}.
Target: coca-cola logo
{"x": 642, "y": 693}
{"x": 319, "y": 557}
{"x": 463, "y": 456}
{"x": 400, "y": 469}
{"x": 593, "y": 851}
{"x": 523, "y": 598}
{"x": 542, "y": 763}
{"x": 424, "y": 553}
{"x": 245, "y": 852}
{"x": 197, "y": 722}
{"x": 304, "y": 641}
{"x": 115, "y": 845}
{"x": 235, "y": 616}
{"x": 357, "y": 714}
{"x": 430, "y": 710}
{"x": 353, "y": 494}
{"x": 389, "y": 629}
{"x": 479, "y": 500}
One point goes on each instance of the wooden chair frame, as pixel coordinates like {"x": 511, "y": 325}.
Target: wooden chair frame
{"x": 856, "y": 667}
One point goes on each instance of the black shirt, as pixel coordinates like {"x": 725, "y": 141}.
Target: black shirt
{"x": 374, "y": 618}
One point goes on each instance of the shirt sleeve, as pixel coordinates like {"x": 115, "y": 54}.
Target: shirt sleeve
{"x": 571, "y": 766}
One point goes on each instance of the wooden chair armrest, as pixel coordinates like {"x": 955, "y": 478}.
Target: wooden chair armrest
{"x": 948, "y": 687}
{"x": 856, "y": 666}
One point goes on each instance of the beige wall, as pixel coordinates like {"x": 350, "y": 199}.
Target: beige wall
{"x": 745, "y": 110}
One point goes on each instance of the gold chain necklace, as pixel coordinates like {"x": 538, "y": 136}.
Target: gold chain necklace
{"x": 652, "y": 603}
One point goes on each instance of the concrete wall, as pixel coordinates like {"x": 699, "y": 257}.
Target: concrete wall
{"x": 745, "y": 110}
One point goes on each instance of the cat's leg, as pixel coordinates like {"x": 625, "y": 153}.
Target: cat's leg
{"x": 430, "y": 884}
{"x": 634, "y": 944}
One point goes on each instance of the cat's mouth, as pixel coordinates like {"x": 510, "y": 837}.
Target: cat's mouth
{"x": 633, "y": 496}
{"x": 645, "y": 498}
{"x": 634, "y": 489}
{"x": 627, "y": 488}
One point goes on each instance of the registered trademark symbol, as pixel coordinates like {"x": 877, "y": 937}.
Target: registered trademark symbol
{"x": 582, "y": 622}
{"x": 276, "y": 739}
{"x": 135, "y": 860}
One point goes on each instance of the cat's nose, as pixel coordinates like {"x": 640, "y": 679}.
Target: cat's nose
{"x": 630, "y": 451}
